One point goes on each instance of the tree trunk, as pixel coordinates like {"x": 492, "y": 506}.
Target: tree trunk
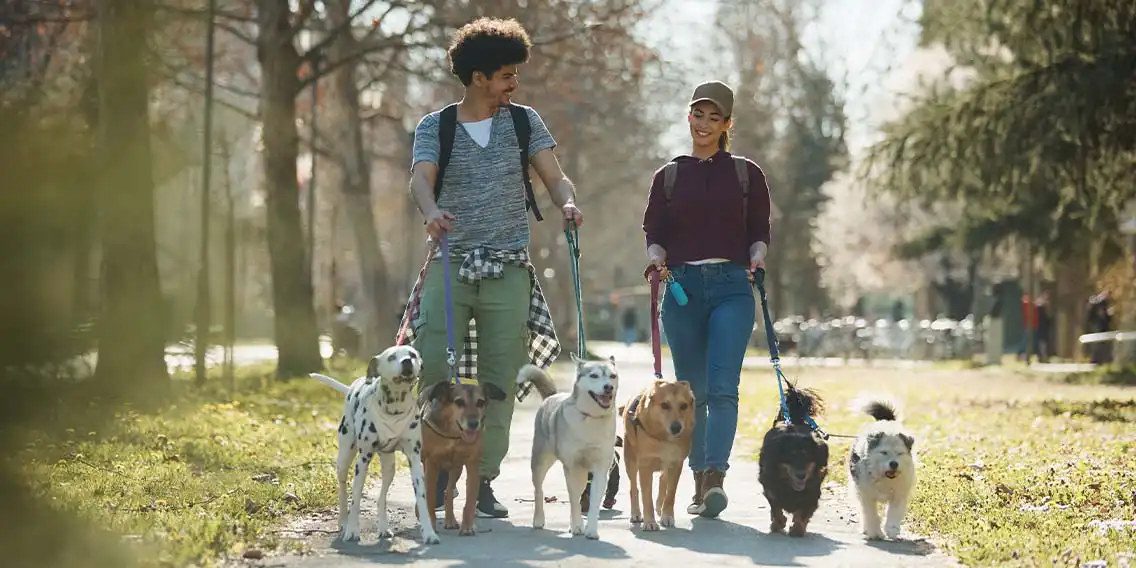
{"x": 297, "y": 337}
{"x": 131, "y": 350}
{"x": 377, "y": 307}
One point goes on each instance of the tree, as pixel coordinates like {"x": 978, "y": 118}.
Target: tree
{"x": 131, "y": 326}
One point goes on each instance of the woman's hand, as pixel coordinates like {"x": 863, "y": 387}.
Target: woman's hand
{"x": 757, "y": 256}
{"x": 657, "y": 257}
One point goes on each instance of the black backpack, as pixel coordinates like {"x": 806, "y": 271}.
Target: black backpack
{"x": 447, "y": 127}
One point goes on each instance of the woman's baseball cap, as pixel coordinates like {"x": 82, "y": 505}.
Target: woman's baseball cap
{"x": 716, "y": 92}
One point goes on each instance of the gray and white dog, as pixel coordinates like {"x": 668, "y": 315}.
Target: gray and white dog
{"x": 380, "y": 417}
{"x": 577, "y": 429}
{"x": 882, "y": 469}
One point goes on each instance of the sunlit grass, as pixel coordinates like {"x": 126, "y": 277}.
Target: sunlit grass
{"x": 204, "y": 475}
{"x": 1014, "y": 471}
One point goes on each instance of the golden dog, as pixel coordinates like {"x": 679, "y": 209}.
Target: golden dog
{"x": 658, "y": 427}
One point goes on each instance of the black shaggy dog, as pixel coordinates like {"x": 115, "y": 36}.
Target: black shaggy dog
{"x": 793, "y": 463}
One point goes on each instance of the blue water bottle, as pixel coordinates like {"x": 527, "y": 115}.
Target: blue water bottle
{"x": 677, "y": 291}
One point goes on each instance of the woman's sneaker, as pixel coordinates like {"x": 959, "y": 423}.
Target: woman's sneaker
{"x": 695, "y": 506}
{"x": 714, "y": 499}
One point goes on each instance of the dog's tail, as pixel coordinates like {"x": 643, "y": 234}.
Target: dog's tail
{"x": 881, "y": 409}
{"x": 342, "y": 388}
{"x": 539, "y": 378}
{"x": 803, "y": 403}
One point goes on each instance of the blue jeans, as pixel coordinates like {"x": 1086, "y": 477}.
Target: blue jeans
{"x": 708, "y": 339}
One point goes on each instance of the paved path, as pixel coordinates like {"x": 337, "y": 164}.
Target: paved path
{"x": 739, "y": 538}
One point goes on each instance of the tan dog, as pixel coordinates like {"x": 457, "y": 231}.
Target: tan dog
{"x": 658, "y": 427}
{"x": 454, "y": 419}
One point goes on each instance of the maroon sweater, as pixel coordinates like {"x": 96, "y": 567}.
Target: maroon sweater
{"x": 704, "y": 218}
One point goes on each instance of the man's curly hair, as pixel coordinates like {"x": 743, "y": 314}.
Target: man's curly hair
{"x": 487, "y": 45}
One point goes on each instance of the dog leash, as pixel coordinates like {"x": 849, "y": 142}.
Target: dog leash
{"x": 572, "y": 235}
{"x": 656, "y": 337}
{"x": 451, "y": 352}
{"x": 774, "y": 356}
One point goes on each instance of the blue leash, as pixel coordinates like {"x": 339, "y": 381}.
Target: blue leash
{"x": 451, "y": 353}
{"x": 774, "y": 356}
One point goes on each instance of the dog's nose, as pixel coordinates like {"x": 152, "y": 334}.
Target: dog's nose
{"x": 893, "y": 465}
{"x": 407, "y": 366}
{"x": 473, "y": 424}
{"x": 676, "y": 427}
{"x": 608, "y": 388}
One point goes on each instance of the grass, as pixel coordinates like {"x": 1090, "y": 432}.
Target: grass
{"x": 1014, "y": 471}
{"x": 204, "y": 475}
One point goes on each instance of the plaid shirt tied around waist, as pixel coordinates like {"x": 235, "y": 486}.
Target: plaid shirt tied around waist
{"x": 478, "y": 264}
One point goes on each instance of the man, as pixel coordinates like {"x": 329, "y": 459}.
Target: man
{"x": 481, "y": 205}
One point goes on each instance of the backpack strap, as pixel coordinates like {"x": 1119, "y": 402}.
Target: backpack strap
{"x": 742, "y": 168}
{"x": 447, "y": 126}
{"x": 670, "y": 172}
{"x": 523, "y": 128}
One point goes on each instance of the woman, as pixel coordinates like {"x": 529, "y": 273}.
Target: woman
{"x": 710, "y": 235}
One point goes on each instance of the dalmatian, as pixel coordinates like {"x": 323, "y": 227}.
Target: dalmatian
{"x": 380, "y": 417}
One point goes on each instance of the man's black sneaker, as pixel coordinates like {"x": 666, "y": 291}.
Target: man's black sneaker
{"x": 487, "y": 505}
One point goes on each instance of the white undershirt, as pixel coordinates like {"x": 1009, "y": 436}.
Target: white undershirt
{"x": 479, "y": 131}
{"x": 708, "y": 261}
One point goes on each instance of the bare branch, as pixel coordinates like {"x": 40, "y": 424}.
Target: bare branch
{"x": 200, "y": 90}
{"x": 202, "y": 13}
{"x": 316, "y": 51}
{"x": 388, "y": 43}
{"x": 236, "y": 32}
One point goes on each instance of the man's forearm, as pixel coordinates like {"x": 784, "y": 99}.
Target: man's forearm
{"x": 563, "y": 192}
{"x": 423, "y": 195}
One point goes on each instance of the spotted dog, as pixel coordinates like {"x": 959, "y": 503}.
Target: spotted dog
{"x": 380, "y": 417}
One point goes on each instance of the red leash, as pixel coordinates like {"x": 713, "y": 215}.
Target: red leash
{"x": 656, "y": 341}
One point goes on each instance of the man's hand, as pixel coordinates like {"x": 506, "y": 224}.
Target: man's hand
{"x": 439, "y": 222}
{"x": 572, "y": 214}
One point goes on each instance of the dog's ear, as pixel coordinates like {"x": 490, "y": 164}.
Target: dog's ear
{"x": 493, "y": 391}
{"x": 437, "y": 390}
{"x": 611, "y": 359}
{"x": 908, "y": 441}
{"x": 874, "y": 440}
{"x": 373, "y": 368}
{"x": 578, "y": 361}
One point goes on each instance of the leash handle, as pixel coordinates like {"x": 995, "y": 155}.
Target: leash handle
{"x": 656, "y": 340}
{"x": 572, "y": 236}
{"x": 451, "y": 353}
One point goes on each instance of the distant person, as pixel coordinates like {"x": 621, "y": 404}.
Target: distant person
{"x": 630, "y": 326}
{"x": 721, "y": 236}
{"x": 1042, "y": 337}
{"x": 993, "y": 329}
{"x": 1099, "y": 319}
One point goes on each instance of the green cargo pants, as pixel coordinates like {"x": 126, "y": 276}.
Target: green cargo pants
{"x": 501, "y": 308}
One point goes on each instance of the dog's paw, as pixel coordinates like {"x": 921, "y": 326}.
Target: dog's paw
{"x": 538, "y": 522}
{"x": 874, "y": 533}
{"x": 892, "y": 532}
{"x": 577, "y": 529}
{"x": 797, "y": 530}
{"x": 467, "y": 531}
{"x": 650, "y": 525}
{"x": 667, "y": 521}
{"x": 451, "y": 524}
{"x": 385, "y": 534}
{"x": 592, "y": 534}
{"x": 430, "y": 537}
{"x": 351, "y": 533}
{"x": 636, "y": 518}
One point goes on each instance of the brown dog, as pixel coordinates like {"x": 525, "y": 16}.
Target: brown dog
{"x": 658, "y": 427}
{"x": 454, "y": 419}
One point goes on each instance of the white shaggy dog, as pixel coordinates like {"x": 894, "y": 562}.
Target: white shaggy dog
{"x": 380, "y": 417}
{"x": 578, "y": 430}
{"x": 882, "y": 470}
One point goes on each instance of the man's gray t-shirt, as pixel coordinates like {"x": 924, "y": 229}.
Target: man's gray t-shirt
{"x": 484, "y": 187}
